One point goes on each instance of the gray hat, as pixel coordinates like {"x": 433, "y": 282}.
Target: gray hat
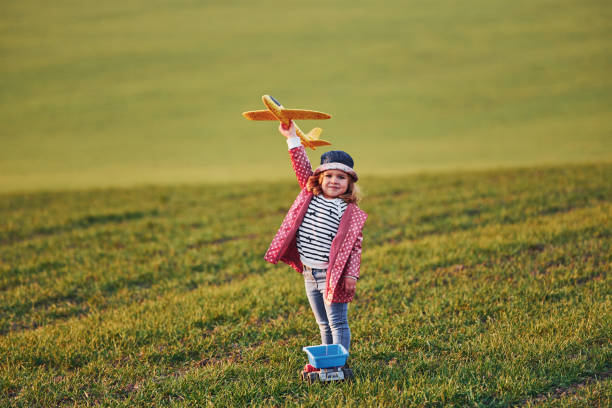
{"x": 336, "y": 160}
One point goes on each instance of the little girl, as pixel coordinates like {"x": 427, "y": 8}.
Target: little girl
{"x": 321, "y": 236}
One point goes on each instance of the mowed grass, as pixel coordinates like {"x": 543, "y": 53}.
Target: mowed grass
{"x": 122, "y": 93}
{"x": 478, "y": 289}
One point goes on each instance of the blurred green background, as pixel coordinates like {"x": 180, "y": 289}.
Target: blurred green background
{"x": 108, "y": 93}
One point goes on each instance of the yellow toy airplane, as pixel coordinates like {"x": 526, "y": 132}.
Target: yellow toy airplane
{"x": 276, "y": 111}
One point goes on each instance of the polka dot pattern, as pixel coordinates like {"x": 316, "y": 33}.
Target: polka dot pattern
{"x": 301, "y": 165}
{"x": 347, "y": 260}
{"x": 345, "y": 254}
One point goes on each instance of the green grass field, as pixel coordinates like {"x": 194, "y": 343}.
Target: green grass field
{"x": 124, "y": 93}
{"x": 478, "y": 289}
{"x": 136, "y": 203}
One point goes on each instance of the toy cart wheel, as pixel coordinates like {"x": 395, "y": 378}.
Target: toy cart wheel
{"x": 312, "y": 377}
{"x": 348, "y": 374}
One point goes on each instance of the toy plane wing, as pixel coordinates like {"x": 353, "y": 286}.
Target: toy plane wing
{"x": 292, "y": 114}
{"x": 304, "y": 114}
{"x": 259, "y": 115}
{"x": 276, "y": 111}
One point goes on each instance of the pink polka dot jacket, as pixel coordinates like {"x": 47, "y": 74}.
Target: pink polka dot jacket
{"x": 345, "y": 252}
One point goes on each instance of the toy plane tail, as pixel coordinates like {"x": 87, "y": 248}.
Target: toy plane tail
{"x": 314, "y": 133}
{"x": 311, "y": 139}
{"x": 316, "y": 143}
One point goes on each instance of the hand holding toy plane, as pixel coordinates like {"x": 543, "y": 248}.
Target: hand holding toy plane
{"x": 276, "y": 111}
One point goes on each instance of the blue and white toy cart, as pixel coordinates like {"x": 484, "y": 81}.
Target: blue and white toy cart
{"x": 330, "y": 359}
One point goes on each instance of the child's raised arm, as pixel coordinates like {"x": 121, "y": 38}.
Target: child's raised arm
{"x": 299, "y": 159}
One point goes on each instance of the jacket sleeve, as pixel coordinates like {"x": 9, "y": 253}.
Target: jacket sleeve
{"x": 301, "y": 165}
{"x": 354, "y": 261}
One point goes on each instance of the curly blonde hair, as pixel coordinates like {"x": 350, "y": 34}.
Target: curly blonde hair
{"x": 352, "y": 194}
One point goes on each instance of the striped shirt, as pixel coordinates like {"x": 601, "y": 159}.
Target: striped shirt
{"x": 318, "y": 229}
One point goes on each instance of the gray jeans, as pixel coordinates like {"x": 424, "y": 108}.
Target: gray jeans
{"x": 333, "y": 318}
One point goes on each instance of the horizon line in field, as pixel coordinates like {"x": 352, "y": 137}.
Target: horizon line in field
{"x": 191, "y": 177}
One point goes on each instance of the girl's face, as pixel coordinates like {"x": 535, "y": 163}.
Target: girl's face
{"x": 334, "y": 183}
